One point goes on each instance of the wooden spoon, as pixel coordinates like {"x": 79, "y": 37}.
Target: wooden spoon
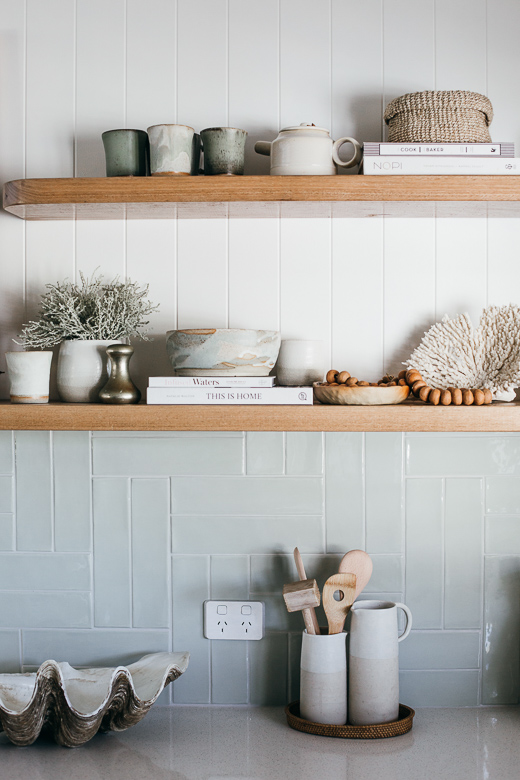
{"x": 309, "y": 615}
{"x": 357, "y": 562}
{"x": 337, "y": 610}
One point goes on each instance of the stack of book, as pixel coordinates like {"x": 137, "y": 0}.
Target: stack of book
{"x": 395, "y": 159}
{"x": 223, "y": 390}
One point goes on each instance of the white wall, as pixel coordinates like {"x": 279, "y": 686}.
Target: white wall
{"x": 70, "y": 69}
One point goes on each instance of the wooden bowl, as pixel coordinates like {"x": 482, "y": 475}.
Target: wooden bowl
{"x": 360, "y": 396}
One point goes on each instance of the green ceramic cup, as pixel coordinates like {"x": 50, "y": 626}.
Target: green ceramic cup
{"x": 224, "y": 150}
{"x": 126, "y": 152}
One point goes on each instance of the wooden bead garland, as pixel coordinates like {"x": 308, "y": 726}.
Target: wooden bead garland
{"x": 452, "y": 396}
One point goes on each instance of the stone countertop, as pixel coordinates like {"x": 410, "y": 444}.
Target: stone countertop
{"x": 235, "y": 743}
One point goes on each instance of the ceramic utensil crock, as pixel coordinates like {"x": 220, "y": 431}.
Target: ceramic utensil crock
{"x": 307, "y": 150}
{"x": 374, "y": 661}
{"x": 323, "y": 678}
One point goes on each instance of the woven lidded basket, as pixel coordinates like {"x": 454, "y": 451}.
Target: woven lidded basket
{"x": 439, "y": 117}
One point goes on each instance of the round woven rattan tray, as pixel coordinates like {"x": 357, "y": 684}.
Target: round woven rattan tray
{"x": 379, "y": 731}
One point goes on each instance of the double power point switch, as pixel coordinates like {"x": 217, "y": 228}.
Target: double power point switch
{"x": 234, "y": 619}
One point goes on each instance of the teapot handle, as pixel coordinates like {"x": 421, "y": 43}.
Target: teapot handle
{"x": 408, "y": 614}
{"x": 357, "y": 152}
{"x": 263, "y": 147}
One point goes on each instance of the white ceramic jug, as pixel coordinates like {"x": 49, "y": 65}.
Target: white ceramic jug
{"x": 323, "y": 678}
{"x": 374, "y": 661}
{"x": 306, "y": 150}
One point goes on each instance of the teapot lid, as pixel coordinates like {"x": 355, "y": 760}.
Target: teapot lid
{"x": 305, "y": 126}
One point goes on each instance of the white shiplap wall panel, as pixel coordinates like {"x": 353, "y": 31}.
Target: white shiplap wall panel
{"x": 12, "y": 153}
{"x": 461, "y": 266}
{"x": 305, "y": 65}
{"x": 357, "y": 71}
{"x": 503, "y": 55}
{"x": 503, "y": 261}
{"x": 357, "y": 297}
{"x": 460, "y": 45}
{"x": 409, "y": 287}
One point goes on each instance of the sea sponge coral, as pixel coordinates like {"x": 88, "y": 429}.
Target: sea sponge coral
{"x": 454, "y": 353}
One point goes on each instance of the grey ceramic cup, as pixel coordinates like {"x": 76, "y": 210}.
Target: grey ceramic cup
{"x": 195, "y": 160}
{"x": 224, "y": 149}
{"x": 126, "y": 152}
{"x": 171, "y": 150}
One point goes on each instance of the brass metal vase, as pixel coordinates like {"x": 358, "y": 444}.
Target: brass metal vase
{"x": 119, "y": 389}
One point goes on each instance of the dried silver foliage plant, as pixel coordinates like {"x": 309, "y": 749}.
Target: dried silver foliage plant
{"x": 90, "y": 310}
{"x": 453, "y": 353}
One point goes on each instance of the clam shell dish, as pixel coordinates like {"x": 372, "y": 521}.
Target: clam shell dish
{"x": 72, "y": 705}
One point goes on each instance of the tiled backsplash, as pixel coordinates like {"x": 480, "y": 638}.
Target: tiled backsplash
{"x": 111, "y": 542}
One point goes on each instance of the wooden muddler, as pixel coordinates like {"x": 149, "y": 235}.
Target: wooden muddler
{"x": 302, "y": 596}
{"x": 301, "y": 574}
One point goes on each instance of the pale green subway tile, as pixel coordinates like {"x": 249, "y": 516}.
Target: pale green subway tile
{"x": 112, "y": 603}
{"x": 387, "y": 574}
{"x": 33, "y": 491}
{"x": 384, "y": 492}
{"x": 6, "y": 494}
{"x": 7, "y": 532}
{"x": 150, "y": 553}
{"x": 44, "y": 571}
{"x": 246, "y": 495}
{"x": 501, "y": 649}
{"x": 6, "y": 452}
{"x": 229, "y": 672}
{"x": 264, "y": 453}
{"x": 459, "y": 455}
{"x": 440, "y": 650}
{"x": 295, "y": 651}
{"x": 344, "y": 492}
{"x": 446, "y": 688}
{"x": 269, "y": 573}
{"x": 424, "y": 551}
{"x": 229, "y": 577}
{"x": 93, "y": 647}
{"x": 276, "y": 616}
{"x": 503, "y": 495}
{"x": 304, "y": 453}
{"x": 167, "y": 456}
{"x": 10, "y": 652}
{"x": 190, "y": 588}
{"x": 268, "y": 670}
{"x": 72, "y": 488}
{"x": 242, "y": 534}
{"x": 502, "y": 535}
{"x": 55, "y": 609}
{"x": 464, "y": 511}
{"x": 167, "y": 434}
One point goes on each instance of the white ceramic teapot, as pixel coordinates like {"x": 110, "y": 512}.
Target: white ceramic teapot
{"x": 306, "y": 150}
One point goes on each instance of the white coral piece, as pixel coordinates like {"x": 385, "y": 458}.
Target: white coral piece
{"x": 453, "y": 353}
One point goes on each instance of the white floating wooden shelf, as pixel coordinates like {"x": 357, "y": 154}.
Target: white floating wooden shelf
{"x": 262, "y": 196}
{"x": 409, "y": 416}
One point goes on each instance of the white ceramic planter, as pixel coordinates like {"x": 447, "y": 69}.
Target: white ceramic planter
{"x": 323, "y": 678}
{"x": 29, "y": 374}
{"x": 82, "y": 370}
{"x": 374, "y": 661}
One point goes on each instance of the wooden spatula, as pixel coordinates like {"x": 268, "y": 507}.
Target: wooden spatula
{"x": 309, "y": 615}
{"x": 357, "y": 562}
{"x": 336, "y": 609}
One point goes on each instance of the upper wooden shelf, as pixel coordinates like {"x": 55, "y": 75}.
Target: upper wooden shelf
{"x": 409, "y": 416}
{"x": 262, "y": 196}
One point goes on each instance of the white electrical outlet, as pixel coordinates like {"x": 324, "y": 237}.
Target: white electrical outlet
{"x": 234, "y": 619}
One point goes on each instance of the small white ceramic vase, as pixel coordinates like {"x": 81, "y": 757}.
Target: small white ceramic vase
{"x": 29, "y": 374}
{"x": 300, "y": 362}
{"x": 82, "y": 370}
{"x": 323, "y": 678}
{"x": 374, "y": 661}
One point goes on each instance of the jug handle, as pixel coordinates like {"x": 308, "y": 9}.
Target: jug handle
{"x": 357, "y": 152}
{"x": 263, "y": 147}
{"x": 408, "y": 614}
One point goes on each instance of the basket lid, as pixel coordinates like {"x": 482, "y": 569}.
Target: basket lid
{"x": 432, "y": 100}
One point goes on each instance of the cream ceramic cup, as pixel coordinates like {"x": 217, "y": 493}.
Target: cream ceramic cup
{"x": 29, "y": 374}
{"x": 300, "y": 362}
{"x": 171, "y": 150}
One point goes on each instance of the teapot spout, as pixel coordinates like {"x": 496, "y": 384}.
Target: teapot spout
{"x": 263, "y": 147}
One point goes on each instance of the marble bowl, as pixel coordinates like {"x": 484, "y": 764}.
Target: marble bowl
{"x": 360, "y": 396}
{"x": 72, "y": 705}
{"x": 222, "y": 351}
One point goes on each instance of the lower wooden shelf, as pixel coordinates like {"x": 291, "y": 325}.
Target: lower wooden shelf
{"x": 409, "y": 416}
